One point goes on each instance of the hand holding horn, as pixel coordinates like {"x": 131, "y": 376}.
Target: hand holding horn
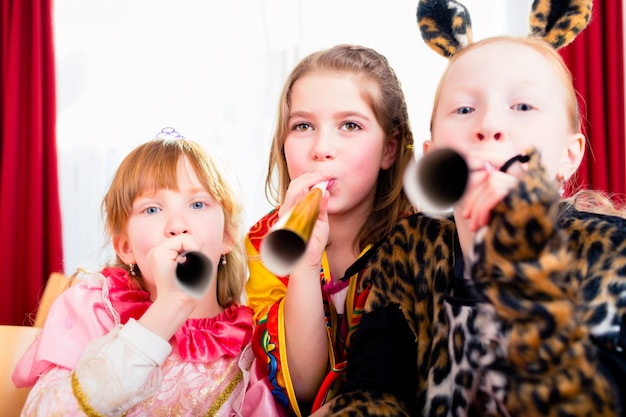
{"x": 286, "y": 241}
{"x": 193, "y": 273}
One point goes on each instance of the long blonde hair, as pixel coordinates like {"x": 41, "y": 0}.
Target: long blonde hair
{"x": 153, "y": 166}
{"x": 382, "y": 91}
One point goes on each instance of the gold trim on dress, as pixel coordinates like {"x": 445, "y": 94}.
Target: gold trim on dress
{"x": 82, "y": 399}
{"x": 224, "y": 395}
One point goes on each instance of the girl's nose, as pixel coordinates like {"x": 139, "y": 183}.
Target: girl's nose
{"x": 176, "y": 226}
{"x": 323, "y": 148}
{"x": 485, "y": 135}
{"x": 489, "y": 126}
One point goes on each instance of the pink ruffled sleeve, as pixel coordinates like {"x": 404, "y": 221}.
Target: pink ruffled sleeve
{"x": 78, "y": 316}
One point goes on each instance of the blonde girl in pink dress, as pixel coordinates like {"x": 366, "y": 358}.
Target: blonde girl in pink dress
{"x": 129, "y": 340}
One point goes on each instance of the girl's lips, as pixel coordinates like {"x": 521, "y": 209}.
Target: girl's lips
{"x": 325, "y": 185}
{"x": 321, "y": 185}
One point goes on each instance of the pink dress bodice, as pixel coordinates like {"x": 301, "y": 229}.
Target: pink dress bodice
{"x": 204, "y": 369}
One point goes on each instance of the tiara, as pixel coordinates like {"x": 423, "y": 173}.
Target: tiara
{"x": 168, "y": 133}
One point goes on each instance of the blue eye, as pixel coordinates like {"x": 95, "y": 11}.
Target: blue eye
{"x": 523, "y": 107}
{"x": 152, "y": 210}
{"x": 464, "y": 110}
{"x": 198, "y": 205}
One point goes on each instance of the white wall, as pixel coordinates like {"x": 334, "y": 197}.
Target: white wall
{"x": 213, "y": 70}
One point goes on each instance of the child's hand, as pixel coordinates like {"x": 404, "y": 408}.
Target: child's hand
{"x": 162, "y": 263}
{"x": 298, "y": 189}
{"x": 171, "y": 305}
{"x": 319, "y": 237}
{"x": 487, "y": 186}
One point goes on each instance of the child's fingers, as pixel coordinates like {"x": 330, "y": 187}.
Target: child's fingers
{"x": 299, "y": 188}
{"x": 485, "y": 195}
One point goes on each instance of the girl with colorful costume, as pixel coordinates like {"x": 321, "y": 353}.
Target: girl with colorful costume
{"x": 342, "y": 118}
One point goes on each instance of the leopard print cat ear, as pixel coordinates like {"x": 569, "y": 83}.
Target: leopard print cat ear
{"x": 445, "y": 25}
{"x": 558, "y": 22}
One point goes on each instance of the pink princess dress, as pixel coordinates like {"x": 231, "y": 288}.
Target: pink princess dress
{"x": 93, "y": 357}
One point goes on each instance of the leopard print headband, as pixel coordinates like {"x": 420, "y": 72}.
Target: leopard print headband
{"x": 446, "y": 26}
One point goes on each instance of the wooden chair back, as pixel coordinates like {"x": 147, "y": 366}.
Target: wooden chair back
{"x": 56, "y": 284}
{"x": 13, "y": 343}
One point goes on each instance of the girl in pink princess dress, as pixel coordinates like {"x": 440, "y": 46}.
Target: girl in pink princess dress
{"x": 133, "y": 339}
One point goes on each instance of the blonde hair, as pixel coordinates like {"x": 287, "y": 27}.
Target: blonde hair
{"x": 153, "y": 166}
{"x": 582, "y": 199}
{"x": 381, "y": 89}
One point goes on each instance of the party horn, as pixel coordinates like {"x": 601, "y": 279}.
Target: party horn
{"x": 287, "y": 240}
{"x": 437, "y": 180}
{"x": 193, "y": 273}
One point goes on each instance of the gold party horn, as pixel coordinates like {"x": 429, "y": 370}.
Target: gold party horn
{"x": 286, "y": 241}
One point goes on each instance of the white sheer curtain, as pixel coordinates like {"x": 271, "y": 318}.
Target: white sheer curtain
{"x": 213, "y": 70}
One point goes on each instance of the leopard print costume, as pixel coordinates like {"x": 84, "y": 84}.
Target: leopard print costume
{"x": 549, "y": 281}
{"x": 558, "y": 22}
{"x": 524, "y": 335}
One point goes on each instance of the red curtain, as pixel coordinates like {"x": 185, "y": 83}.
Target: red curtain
{"x": 595, "y": 58}
{"x": 30, "y": 215}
